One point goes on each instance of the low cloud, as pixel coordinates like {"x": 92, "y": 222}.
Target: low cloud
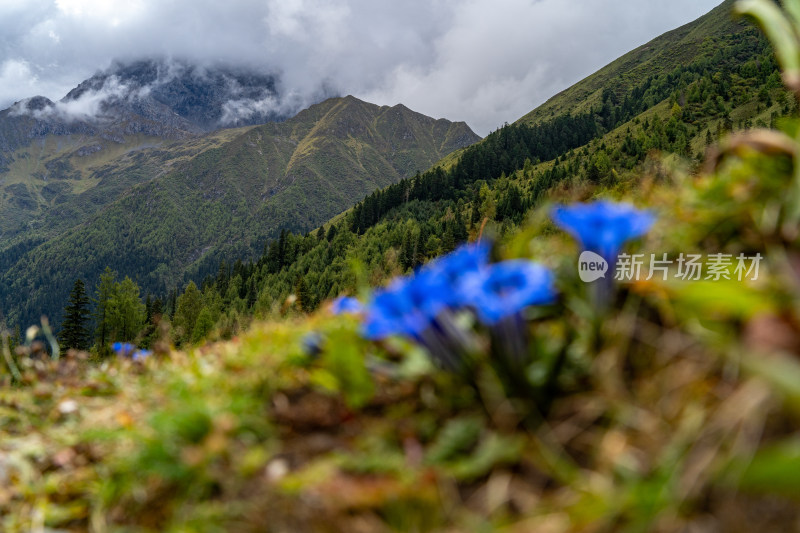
{"x": 240, "y": 111}
{"x": 90, "y": 105}
{"x": 486, "y": 62}
{"x": 239, "y": 97}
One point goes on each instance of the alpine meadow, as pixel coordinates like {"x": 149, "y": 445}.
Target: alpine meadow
{"x": 234, "y": 300}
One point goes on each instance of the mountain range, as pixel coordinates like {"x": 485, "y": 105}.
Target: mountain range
{"x": 137, "y": 169}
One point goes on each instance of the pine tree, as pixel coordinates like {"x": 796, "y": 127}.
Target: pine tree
{"x": 126, "y": 312}
{"x": 103, "y": 294}
{"x": 223, "y": 276}
{"x": 407, "y": 250}
{"x": 203, "y": 325}
{"x": 331, "y": 233}
{"x": 74, "y": 330}
{"x": 304, "y": 300}
{"x": 475, "y": 215}
{"x": 156, "y": 310}
{"x": 419, "y": 245}
{"x": 282, "y": 249}
{"x": 252, "y": 294}
{"x": 459, "y": 228}
{"x": 172, "y": 300}
{"x": 16, "y": 339}
{"x": 448, "y": 238}
{"x": 187, "y": 310}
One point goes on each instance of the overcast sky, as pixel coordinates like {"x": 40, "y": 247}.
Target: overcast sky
{"x": 483, "y": 61}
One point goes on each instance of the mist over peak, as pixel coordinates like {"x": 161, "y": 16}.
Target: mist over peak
{"x": 200, "y": 97}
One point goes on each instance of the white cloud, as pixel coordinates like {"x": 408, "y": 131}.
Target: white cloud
{"x": 483, "y": 61}
{"x": 90, "y": 105}
{"x": 495, "y": 64}
{"x": 234, "y": 111}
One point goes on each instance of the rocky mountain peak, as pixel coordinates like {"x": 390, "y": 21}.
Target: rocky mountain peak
{"x": 205, "y": 97}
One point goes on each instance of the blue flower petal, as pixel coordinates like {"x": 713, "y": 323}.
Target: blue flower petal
{"x": 411, "y": 304}
{"x": 503, "y": 289}
{"x": 346, "y": 304}
{"x": 603, "y": 227}
{"x": 141, "y": 355}
{"x": 123, "y": 349}
{"x": 312, "y": 343}
{"x": 406, "y": 307}
{"x": 451, "y": 268}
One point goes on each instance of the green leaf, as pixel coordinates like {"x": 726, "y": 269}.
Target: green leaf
{"x": 793, "y": 8}
{"x": 495, "y": 450}
{"x": 773, "y": 469}
{"x": 456, "y": 437}
{"x": 782, "y": 373}
{"x": 719, "y": 299}
{"x": 344, "y": 360}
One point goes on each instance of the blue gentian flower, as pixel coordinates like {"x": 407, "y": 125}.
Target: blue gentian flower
{"x": 418, "y": 307}
{"x": 346, "y": 304}
{"x": 451, "y": 268}
{"x": 123, "y": 349}
{"x": 603, "y": 227}
{"x": 406, "y": 307}
{"x": 504, "y": 289}
{"x": 312, "y": 344}
{"x": 390, "y": 312}
{"x": 141, "y": 355}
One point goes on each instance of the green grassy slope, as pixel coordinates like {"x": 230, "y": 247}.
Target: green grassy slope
{"x": 57, "y": 181}
{"x": 675, "y": 48}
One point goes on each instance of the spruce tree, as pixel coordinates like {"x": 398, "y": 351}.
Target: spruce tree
{"x": 252, "y": 294}
{"x": 103, "y": 295}
{"x": 16, "y": 339}
{"x": 156, "y": 310}
{"x": 303, "y": 294}
{"x": 188, "y": 308}
{"x": 126, "y": 312}
{"x": 74, "y": 330}
{"x": 407, "y": 250}
{"x": 203, "y": 325}
{"x": 448, "y": 238}
{"x": 331, "y": 233}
